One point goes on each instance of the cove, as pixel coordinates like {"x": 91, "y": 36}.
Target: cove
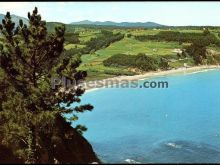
{"x": 180, "y": 124}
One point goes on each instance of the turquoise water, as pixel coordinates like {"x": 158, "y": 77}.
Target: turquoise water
{"x": 180, "y": 124}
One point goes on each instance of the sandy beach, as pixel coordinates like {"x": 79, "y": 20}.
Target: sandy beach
{"x": 153, "y": 74}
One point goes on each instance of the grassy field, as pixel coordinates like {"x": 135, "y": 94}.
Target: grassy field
{"x": 85, "y": 36}
{"x": 96, "y": 70}
{"x": 72, "y": 46}
{"x": 93, "y": 62}
{"x": 131, "y": 46}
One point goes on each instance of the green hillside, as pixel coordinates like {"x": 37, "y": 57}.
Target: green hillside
{"x": 165, "y": 43}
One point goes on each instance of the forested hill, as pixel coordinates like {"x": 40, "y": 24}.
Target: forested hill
{"x": 15, "y": 19}
{"x": 87, "y": 23}
{"x": 121, "y": 24}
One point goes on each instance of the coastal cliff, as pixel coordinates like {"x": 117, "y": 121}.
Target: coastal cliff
{"x": 66, "y": 145}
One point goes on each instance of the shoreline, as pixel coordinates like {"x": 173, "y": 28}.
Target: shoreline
{"x": 152, "y": 74}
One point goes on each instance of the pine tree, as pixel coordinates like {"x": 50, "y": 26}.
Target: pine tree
{"x": 29, "y": 106}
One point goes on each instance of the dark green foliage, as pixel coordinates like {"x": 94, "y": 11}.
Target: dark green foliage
{"x": 102, "y": 41}
{"x": 76, "y": 52}
{"x": 71, "y": 37}
{"x": 29, "y": 107}
{"x": 7, "y": 156}
{"x": 120, "y": 60}
{"x": 199, "y": 41}
{"x": 197, "y": 50}
{"x": 183, "y": 54}
{"x": 121, "y": 73}
{"x": 164, "y": 64}
{"x": 141, "y": 61}
{"x": 178, "y": 55}
{"x": 129, "y": 35}
{"x": 206, "y": 32}
{"x": 146, "y": 63}
{"x": 181, "y": 37}
{"x": 213, "y": 59}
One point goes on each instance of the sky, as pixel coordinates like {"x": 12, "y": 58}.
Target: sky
{"x": 166, "y": 13}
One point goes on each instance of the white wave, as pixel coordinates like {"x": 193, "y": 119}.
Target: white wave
{"x": 143, "y": 79}
{"x": 173, "y": 145}
{"x": 197, "y": 72}
{"x": 206, "y": 70}
{"x": 130, "y": 161}
{"x": 91, "y": 90}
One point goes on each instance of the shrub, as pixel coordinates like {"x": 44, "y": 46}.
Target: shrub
{"x": 102, "y": 41}
{"x": 141, "y": 61}
{"x": 71, "y": 37}
{"x": 181, "y": 37}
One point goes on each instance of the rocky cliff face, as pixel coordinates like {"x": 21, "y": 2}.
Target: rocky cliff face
{"x": 7, "y": 156}
{"x": 66, "y": 145}
{"x": 70, "y": 146}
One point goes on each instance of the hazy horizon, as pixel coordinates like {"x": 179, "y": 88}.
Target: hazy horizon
{"x": 165, "y": 13}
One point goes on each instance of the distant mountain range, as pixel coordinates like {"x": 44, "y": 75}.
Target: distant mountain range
{"x": 121, "y": 24}
{"x": 15, "y": 19}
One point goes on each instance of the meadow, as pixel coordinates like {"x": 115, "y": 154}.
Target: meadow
{"x": 93, "y": 62}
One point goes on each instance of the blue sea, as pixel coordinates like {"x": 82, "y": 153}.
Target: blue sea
{"x": 179, "y": 124}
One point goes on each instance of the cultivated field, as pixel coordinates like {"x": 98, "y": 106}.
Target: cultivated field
{"x": 92, "y": 62}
